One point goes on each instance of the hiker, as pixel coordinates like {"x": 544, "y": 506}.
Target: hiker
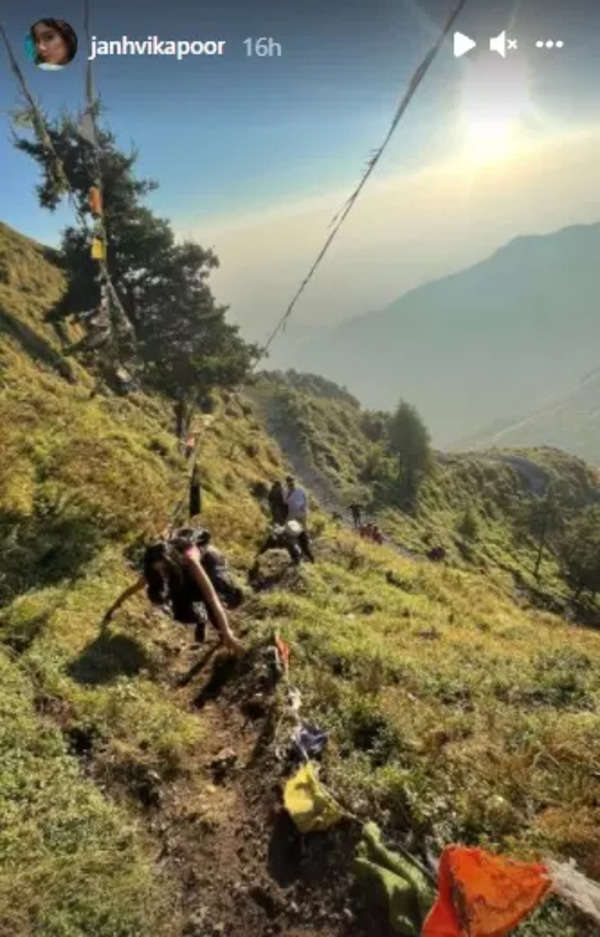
{"x": 175, "y": 575}
{"x": 297, "y": 505}
{"x": 292, "y": 537}
{"x": 277, "y": 503}
{"x": 54, "y": 42}
{"x": 356, "y": 512}
{"x": 297, "y": 502}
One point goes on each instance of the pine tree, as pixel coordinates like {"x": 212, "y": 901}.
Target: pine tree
{"x": 543, "y": 519}
{"x": 408, "y": 439}
{"x": 183, "y": 340}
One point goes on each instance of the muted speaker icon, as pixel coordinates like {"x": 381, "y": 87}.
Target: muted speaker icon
{"x": 500, "y": 44}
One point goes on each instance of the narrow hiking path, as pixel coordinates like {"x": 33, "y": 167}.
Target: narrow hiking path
{"x": 535, "y": 477}
{"x": 317, "y": 484}
{"x": 243, "y": 866}
{"x": 311, "y": 477}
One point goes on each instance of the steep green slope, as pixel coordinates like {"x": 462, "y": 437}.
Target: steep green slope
{"x": 453, "y": 712}
{"x": 318, "y": 426}
{"x": 83, "y": 481}
{"x": 79, "y": 480}
{"x": 470, "y": 504}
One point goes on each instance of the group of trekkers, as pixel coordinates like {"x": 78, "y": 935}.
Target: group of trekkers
{"x": 371, "y": 532}
{"x": 366, "y": 531}
{"x": 186, "y": 575}
{"x": 289, "y": 514}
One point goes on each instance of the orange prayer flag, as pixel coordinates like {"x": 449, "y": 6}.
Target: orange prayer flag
{"x": 442, "y": 920}
{"x": 481, "y": 895}
{"x": 284, "y": 651}
{"x": 95, "y": 200}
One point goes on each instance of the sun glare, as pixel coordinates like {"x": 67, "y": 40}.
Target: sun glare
{"x": 489, "y": 139}
{"x": 495, "y": 100}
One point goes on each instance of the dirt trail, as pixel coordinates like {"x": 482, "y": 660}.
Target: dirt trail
{"x": 308, "y": 475}
{"x": 319, "y": 486}
{"x": 244, "y": 867}
{"x": 535, "y": 477}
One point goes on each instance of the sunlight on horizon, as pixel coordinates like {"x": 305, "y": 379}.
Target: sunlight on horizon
{"x": 495, "y": 103}
{"x": 390, "y": 244}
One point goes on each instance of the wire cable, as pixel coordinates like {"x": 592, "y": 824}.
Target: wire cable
{"x": 339, "y": 219}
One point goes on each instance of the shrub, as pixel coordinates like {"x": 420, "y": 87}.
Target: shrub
{"x": 468, "y": 524}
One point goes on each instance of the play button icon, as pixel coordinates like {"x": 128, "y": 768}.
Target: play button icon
{"x": 462, "y": 44}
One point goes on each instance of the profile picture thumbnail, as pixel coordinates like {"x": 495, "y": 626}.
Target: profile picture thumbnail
{"x": 51, "y": 43}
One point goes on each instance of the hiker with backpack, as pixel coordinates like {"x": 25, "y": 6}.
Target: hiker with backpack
{"x": 297, "y": 505}
{"x": 177, "y": 574}
{"x": 292, "y": 537}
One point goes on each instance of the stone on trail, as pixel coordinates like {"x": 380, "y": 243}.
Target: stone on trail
{"x": 274, "y": 568}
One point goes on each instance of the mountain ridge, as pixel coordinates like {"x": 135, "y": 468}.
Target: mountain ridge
{"x": 496, "y": 339}
{"x": 571, "y": 422}
{"x": 518, "y": 240}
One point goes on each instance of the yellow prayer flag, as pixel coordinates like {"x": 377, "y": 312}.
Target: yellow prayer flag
{"x": 98, "y": 249}
{"x": 309, "y": 804}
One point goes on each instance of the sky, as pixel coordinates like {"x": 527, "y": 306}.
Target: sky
{"x": 255, "y": 155}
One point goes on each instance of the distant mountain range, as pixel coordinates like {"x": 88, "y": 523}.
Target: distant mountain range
{"x": 502, "y": 338}
{"x": 571, "y": 423}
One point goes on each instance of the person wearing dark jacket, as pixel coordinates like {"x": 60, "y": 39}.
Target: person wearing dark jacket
{"x": 175, "y": 575}
{"x": 277, "y": 503}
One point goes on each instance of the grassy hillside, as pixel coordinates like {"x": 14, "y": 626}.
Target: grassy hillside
{"x": 470, "y": 504}
{"x": 319, "y": 427}
{"x": 453, "y": 712}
